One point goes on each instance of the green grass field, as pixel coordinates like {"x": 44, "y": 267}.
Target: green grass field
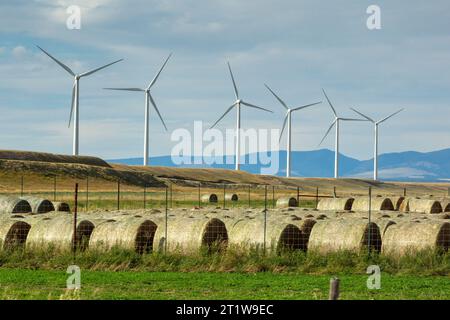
{"x": 45, "y": 284}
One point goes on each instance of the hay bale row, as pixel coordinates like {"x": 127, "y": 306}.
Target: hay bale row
{"x": 213, "y": 198}
{"x": 39, "y": 205}
{"x": 411, "y": 237}
{"x": 376, "y": 204}
{"x": 336, "y": 204}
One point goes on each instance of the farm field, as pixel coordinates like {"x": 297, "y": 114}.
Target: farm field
{"x": 44, "y": 284}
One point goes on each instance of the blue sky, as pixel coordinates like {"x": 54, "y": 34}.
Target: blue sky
{"x": 295, "y": 46}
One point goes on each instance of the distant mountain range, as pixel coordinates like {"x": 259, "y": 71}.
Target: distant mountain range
{"x": 402, "y": 166}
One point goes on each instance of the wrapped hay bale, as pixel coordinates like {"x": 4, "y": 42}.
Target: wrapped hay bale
{"x": 39, "y": 205}
{"x": 280, "y": 235}
{"x": 231, "y": 197}
{"x": 58, "y": 233}
{"x": 187, "y": 235}
{"x": 335, "y": 204}
{"x": 61, "y": 206}
{"x": 133, "y": 234}
{"x": 287, "y": 202}
{"x": 209, "y": 198}
{"x": 14, "y": 205}
{"x": 13, "y": 233}
{"x": 412, "y": 237}
{"x": 344, "y": 235}
{"x": 376, "y": 204}
{"x": 421, "y": 205}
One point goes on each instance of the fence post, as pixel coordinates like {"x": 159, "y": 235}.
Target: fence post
{"x": 171, "y": 192}
{"x": 21, "y": 186}
{"x": 370, "y": 219}
{"x": 298, "y": 196}
{"x": 249, "y": 204}
{"x": 317, "y": 197}
{"x": 265, "y": 217}
{"x": 75, "y": 214}
{"x": 224, "y": 190}
{"x": 273, "y": 197}
{"x": 404, "y": 192}
{"x": 145, "y": 196}
{"x": 87, "y": 193}
{"x": 54, "y": 188}
{"x": 334, "y": 192}
{"x": 334, "y": 289}
{"x": 199, "y": 197}
{"x": 118, "y": 195}
{"x": 165, "y": 231}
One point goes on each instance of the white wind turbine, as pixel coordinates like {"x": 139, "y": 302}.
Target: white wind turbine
{"x": 336, "y": 123}
{"x": 288, "y": 120}
{"x": 148, "y": 97}
{"x": 74, "y": 109}
{"x": 375, "y": 149}
{"x": 237, "y": 104}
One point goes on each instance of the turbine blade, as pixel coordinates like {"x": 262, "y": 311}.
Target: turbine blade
{"x": 328, "y": 131}
{"x": 234, "y": 83}
{"x": 388, "y": 117}
{"x": 159, "y": 72}
{"x": 363, "y": 115}
{"x": 73, "y": 101}
{"x": 329, "y": 102}
{"x": 277, "y": 97}
{"x": 352, "y": 119}
{"x": 284, "y": 125}
{"x": 157, "y": 111}
{"x": 226, "y": 112}
{"x": 98, "y": 69}
{"x": 256, "y": 107}
{"x": 58, "y": 62}
{"x": 125, "y": 89}
{"x": 306, "y": 106}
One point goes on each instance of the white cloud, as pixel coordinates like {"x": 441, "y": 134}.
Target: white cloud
{"x": 19, "y": 51}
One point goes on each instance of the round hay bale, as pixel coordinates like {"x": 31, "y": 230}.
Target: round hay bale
{"x": 61, "y": 206}
{"x": 377, "y": 204}
{"x": 209, "y": 198}
{"x": 58, "y": 233}
{"x": 397, "y": 202}
{"x": 14, "y": 205}
{"x": 447, "y": 208}
{"x": 335, "y": 204}
{"x": 280, "y": 235}
{"x": 421, "y": 205}
{"x": 383, "y": 225}
{"x": 344, "y": 235}
{"x": 135, "y": 234}
{"x": 13, "y": 233}
{"x": 412, "y": 237}
{"x": 287, "y": 202}
{"x": 231, "y": 197}
{"x": 39, "y": 205}
{"x": 190, "y": 235}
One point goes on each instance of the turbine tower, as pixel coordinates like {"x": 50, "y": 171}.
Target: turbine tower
{"x": 375, "y": 149}
{"x": 287, "y": 119}
{"x": 148, "y": 98}
{"x": 74, "y": 109}
{"x": 238, "y": 103}
{"x": 336, "y": 123}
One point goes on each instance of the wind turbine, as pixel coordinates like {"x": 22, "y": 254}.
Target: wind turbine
{"x": 287, "y": 120}
{"x": 238, "y": 103}
{"x": 375, "y": 149}
{"x": 336, "y": 123}
{"x": 148, "y": 97}
{"x": 75, "y": 95}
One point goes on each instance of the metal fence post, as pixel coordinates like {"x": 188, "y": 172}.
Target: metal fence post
{"x": 334, "y": 192}
{"x": 317, "y": 197}
{"x": 224, "y": 190}
{"x": 87, "y": 193}
{"x": 370, "y": 219}
{"x": 54, "y": 188}
{"x": 75, "y": 214}
{"x": 118, "y": 195}
{"x": 199, "y": 197}
{"x": 249, "y": 204}
{"x": 265, "y": 217}
{"x": 273, "y": 197}
{"x": 145, "y": 196}
{"x": 171, "y": 193}
{"x": 298, "y": 196}
{"x": 404, "y": 192}
{"x": 166, "y": 224}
